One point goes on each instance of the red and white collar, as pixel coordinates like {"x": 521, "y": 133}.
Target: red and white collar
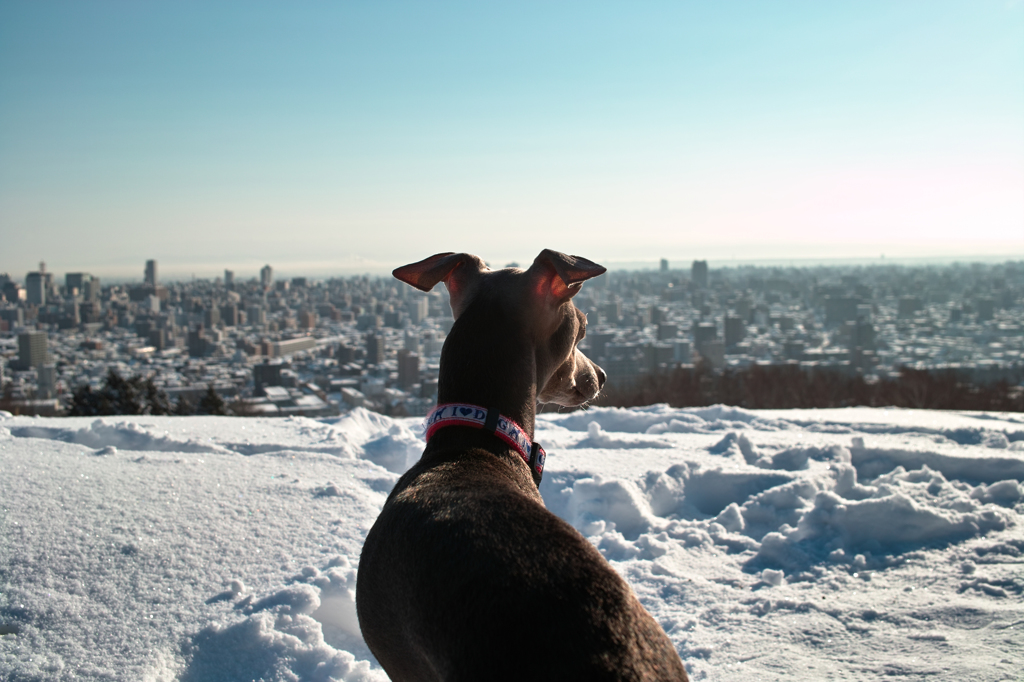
{"x": 462, "y": 414}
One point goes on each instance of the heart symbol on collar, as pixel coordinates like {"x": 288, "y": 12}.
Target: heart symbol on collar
{"x": 466, "y": 411}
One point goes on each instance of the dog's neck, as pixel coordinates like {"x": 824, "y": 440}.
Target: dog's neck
{"x": 487, "y": 360}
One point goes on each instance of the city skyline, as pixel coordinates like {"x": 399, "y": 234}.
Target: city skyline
{"x": 327, "y": 271}
{"x": 368, "y": 342}
{"x": 344, "y": 139}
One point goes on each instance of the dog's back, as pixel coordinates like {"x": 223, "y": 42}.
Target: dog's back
{"x": 479, "y": 605}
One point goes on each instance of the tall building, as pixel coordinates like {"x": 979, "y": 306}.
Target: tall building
{"x": 266, "y": 276}
{"x": 72, "y": 315}
{"x": 418, "y": 308}
{"x": 374, "y": 349}
{"x": 664, "y": 265}
{"x": 699, "y": 273}
{"x": 211, "y": 317}
{"x": 735, "y": 330}
{"x": 159, "y": 338}
{"x": 408, "y": 369}
{"x": 704, "y": 332}
{"x": 46, "y": 384}
{"x": 35, "y": 288}
{"x": 76, "y": 280}
{"x": 256, "y": 315}
{"x": 151, "y": 273}
{"x": 411, "y": 341}
{"x": 229, "y": 278}
{"x": 229, "y": 315}
{"x": 197, "y": 343}
{"x": 10, "y": 289}
{"x": 598, "y": 344}
{"x": 91, "y": 289}
{"x": 32, "y": 350}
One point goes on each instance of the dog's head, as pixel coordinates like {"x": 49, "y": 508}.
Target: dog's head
{"x": 539, "y": 299}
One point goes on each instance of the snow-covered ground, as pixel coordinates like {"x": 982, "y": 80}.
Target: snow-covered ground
{"x": 852, "y": 544}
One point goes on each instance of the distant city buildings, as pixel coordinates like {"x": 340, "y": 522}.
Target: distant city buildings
{"x": 303, "y": 346}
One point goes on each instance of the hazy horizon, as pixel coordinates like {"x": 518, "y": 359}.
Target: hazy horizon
{"x": 350, "y": 138}
{"x": 324, "y": 271}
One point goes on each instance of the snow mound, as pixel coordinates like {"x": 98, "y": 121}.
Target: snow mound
{"x": 105, "y": 433}
{"x": 307, "y": 630}
{"x": 358, "y": 434}
{"x": 661, "y": 418}
{"x": 871, "y": 462}
{"x": 284, "y": 644}
{"x": 599, "y": 438}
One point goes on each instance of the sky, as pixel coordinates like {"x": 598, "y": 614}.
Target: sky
{"x": 332, "y": 138}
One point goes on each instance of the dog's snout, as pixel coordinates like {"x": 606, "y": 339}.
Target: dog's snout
{"x": 601, "y": 377}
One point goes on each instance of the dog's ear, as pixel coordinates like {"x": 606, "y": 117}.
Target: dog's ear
{"x": 560, "y": 276}
{"x": 458, "y": 271}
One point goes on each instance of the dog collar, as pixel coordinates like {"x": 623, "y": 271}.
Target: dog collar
{"x": 462, "y": 414}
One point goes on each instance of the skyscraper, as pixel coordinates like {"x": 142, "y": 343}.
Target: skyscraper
{"x": 699, "y": 273}
{"x": 408, "y": 369}
{"x": 75, "y": 280}
{"x": 32, "y": 350}
{"x": 229, "y": 315}
{"x": 256, "y": 316}
{"x": 374, "y": 349}
{"x": 151, "y": 273}
{"x": 47, "y": 382}
{"x": 419, "y": 308}
{"x": 35, "y": 288}
{"x": 266, "y": 276}
{"x": 735, "y": 330}
{"x": 91, "y": 289}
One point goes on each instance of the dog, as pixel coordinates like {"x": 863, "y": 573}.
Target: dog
{"x": 465, "y": 575}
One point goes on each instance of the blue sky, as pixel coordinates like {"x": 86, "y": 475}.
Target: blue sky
{"x": 339, "y": 137}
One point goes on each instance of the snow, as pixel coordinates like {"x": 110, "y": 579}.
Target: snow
{"x": 800, "y": 544}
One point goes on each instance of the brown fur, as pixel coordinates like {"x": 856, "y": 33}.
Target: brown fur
{"x": 465, "y": 575}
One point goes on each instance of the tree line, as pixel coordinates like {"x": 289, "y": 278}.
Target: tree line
{"x": 789, "y": 386}
{"x": 138, "y": 395}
